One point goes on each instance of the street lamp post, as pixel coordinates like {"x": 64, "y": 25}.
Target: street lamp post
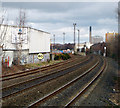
{"x": 54, "y": 41}
{"x": 74, "y": 24}
{"x": 63, "y": 38}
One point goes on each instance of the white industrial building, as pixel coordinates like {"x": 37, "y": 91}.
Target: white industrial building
{"x": 82, "y": 45}
{"x": 32, "y": 41}
{"x": 97, "y": 39}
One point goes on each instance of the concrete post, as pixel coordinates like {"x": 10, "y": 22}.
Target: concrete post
{"x": 74, "y": 24}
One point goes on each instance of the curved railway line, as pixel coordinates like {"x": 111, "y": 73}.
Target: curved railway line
{"x": 43, "y": 73}
{"x": 33, "y": 71}
{"x": 74, "y": 98}
{"x": 34, "y": 74}
{"x": 24, "y": 85}
{"x": 95, "y": 63}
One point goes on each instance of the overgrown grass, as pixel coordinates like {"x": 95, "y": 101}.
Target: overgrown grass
{"x": 35, "y": 65}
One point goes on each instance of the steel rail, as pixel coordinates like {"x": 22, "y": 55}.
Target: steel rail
{"x": 33, "y": 69}
{"x": 54, "y": 72}
{"x": 62, "y": 87}
{"x": 23, "y": 73}
{"x": 38, "y": 78}
{"x": 87, "y": 86}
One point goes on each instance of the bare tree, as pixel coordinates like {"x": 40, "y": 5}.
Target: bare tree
{"x": 113, "y": 47}
{"x": 118, "y": 16}
{"x": 118, "y": 33}
{"x": 3, "y": 28}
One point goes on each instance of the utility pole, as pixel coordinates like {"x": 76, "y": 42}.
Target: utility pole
{"x": 74, "y": 24}
{"x": 63, "y": 38}
{"x": 54, "y": 41}
{"x": 51, "y": 52}
{"x": 19, "y": 33}
{"x": 78, "y": 39}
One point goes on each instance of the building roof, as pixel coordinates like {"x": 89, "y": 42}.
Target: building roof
{"x": 25, "y": 27}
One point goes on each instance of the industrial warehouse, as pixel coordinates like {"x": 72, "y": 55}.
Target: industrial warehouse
{"x": 25, "y": 42}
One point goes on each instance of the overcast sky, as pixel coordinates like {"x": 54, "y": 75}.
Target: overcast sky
{"x": 57, "y": 18}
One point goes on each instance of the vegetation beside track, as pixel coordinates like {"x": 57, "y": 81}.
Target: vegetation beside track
{"x": 63, "y": 56}
{"x": 35, "y": 65}
{"x": 16, "y": 68}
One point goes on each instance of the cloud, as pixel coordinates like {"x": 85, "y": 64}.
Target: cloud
{"x": 61, "y": 1}
{"x": 57, "y": 18}
{"x": 107, "y": 21}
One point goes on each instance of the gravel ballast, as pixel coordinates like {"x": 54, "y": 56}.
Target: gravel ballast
{"x": 31, "y": 95}
{"x": 100, "y": 93}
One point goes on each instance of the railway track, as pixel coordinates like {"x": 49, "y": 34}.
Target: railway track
{"x": 97, "y": 64}
{"x": 22, "y": 86}
{"x": 72, "y": 100}
{"x": 33, "y": 71}
{"x": 75, "y": 98}
{"x": 40, "y": 74}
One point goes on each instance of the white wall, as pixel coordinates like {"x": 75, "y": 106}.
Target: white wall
{"x": 39, "y": 42}
{"x": 10, "y": 34}
{"x": 36, "y": 41}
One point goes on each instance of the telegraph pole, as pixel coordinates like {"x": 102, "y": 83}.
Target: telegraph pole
{"x": 54, "y": 41}
{"x": 78, "y": 39}
{"x": 63, "y": 38}
{"x": 74, "y": 24}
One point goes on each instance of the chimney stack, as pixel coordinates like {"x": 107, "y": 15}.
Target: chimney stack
{"x": 90, "y": 37}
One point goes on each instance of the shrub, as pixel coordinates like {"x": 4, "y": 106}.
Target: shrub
{"x": 63, "y": 56}
{"x": 67, "y": 56}
{"x": 56, "y": 57}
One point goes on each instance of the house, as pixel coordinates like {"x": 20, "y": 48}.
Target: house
{"x": 98, "y": 48}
